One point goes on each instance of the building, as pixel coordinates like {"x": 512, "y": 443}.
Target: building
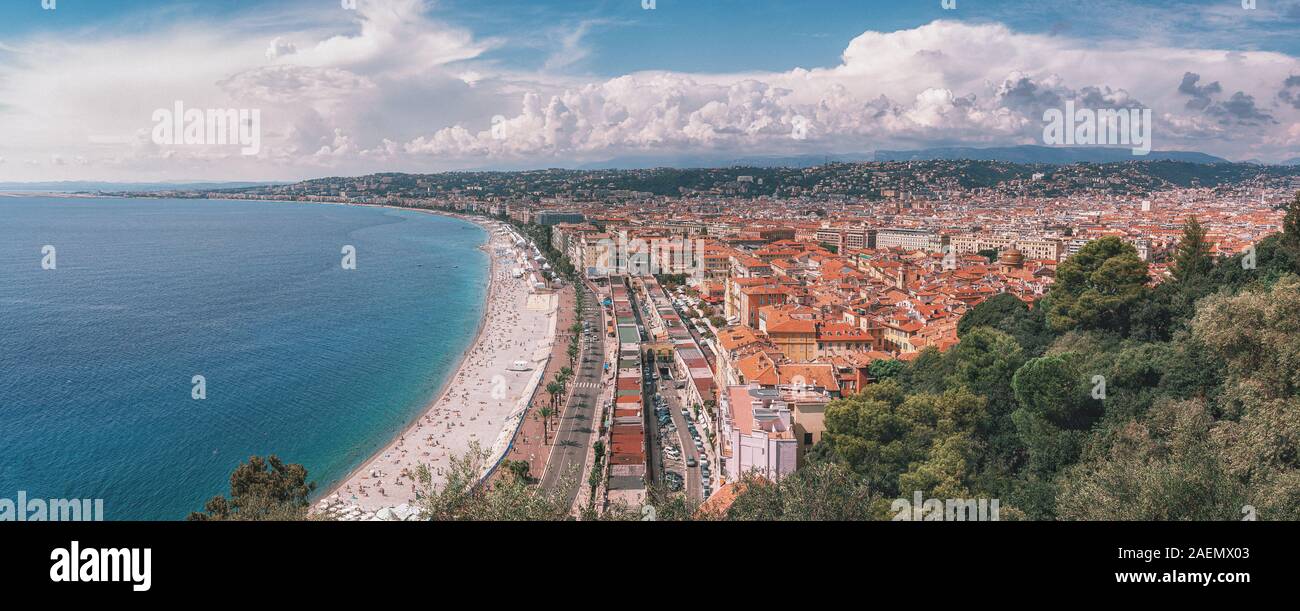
{"x": 809, "y": 425}
{"x": 549, "y": 217}
{"x": 1044, "y": 249}
{"x": 1033, "y": 248}
{"x": 757, "y": 434}
{"x": 908, "y": 239}
{"x": 754, "y": 298}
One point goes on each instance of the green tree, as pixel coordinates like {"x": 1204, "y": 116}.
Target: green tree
{"x": 1192, "y": 261}
{"x": 928, "y": 372}
{"x": 870, "y": 434}
{"x": 261, "y": 490}
{"x": 992, "y": 312}
{"x": 1256, "y": 335}
{"x": 948, "y": 472}
{"x": 553, "y": 390}
{"x": 461, "y": 496}
{"x": 1291, "y": 231}
{"x": 1009, "y": 314}
{"x": 821, "y": 492}
{"x": 880, "y": 432}
{"x": 1056, "y": 411}
{"x": 1165, "y": 467}
{"x": 984, "y": 361}
{"x": 518, "y": 469}
{"x": 545, "y": 412}
{"x": 885, "y": 369}
{"x": 1096, "y": 287}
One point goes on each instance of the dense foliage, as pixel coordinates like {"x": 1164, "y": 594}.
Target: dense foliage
{"x": 1109, "y": 399}
{"x": 261, "y": 490}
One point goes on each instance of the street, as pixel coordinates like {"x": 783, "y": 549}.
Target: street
{"x": 573, "y": 435}
{"x": 684, "y": 442}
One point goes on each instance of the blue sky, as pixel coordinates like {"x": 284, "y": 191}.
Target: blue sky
{"x": 730, "y": 35}
{"x": 418, "y": 85}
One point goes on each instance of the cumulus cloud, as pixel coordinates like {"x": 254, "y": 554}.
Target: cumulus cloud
{"x": 1200, "y": 94}
{"x": 942, "y": 82}
{"x": 280, "y": 48}
{"x": 403, "y": 91}
{"x": 1239, "y": 108}
{"x": 1287, "y": 94}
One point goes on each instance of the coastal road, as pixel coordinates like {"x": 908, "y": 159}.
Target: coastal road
{"x": 573, "y": 436}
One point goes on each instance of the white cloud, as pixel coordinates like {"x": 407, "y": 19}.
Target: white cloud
{"x": 942, "y": 82}
{"x": 402, "y": 91}
{"x": 280, "y": 48}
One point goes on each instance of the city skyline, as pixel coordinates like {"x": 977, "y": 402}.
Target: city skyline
{"x": 422, "y": 86}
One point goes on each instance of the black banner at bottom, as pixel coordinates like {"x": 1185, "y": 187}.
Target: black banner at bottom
{"x": 163, "y": 560}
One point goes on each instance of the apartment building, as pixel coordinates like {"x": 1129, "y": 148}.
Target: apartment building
{"x": 909, "y": 239}
{"x": 757, "y": 433}
{"x": 1032, "y": 248}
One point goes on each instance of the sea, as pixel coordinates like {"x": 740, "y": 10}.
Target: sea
{"x": 148, "y": 346}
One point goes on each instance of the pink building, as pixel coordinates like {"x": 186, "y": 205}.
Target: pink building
{"x": 757, "y": 433}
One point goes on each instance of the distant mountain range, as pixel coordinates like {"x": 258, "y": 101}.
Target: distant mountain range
{"x": 77, "y": 186}
{"x": 1053, "y": 155}
{"x": 717, "y": 161}
{"x": 1026, "y": 154}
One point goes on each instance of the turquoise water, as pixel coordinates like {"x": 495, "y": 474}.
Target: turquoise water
{"x": 301, "y": 358}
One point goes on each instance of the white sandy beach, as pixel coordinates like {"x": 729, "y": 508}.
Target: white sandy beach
{"x": 483, "y": 402}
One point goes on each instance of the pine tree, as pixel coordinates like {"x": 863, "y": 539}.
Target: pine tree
{"x": 1192, "y": 260}
{"x": 1291, "y": 227}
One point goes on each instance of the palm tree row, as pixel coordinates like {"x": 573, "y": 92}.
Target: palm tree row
{"x": 555, "y": 390}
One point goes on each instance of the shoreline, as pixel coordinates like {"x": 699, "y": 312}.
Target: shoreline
{"x": 454, "y": 372}
{"x": 518, "y": 325}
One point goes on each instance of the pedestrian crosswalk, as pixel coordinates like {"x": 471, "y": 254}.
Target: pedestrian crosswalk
{"x": 587, "y": 385}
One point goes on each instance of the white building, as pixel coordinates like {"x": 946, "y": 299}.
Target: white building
{"x": 756, "y": 434}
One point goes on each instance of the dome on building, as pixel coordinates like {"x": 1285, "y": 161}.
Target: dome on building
{"x": 1011, "y": 256}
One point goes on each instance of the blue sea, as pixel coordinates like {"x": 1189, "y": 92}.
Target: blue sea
{"x": 301, "y": 358}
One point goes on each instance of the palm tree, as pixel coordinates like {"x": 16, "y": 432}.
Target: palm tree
{"x": 553, "y": 389}
{"x": 562, "y": 379}
{"x": 545, "y": 412}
